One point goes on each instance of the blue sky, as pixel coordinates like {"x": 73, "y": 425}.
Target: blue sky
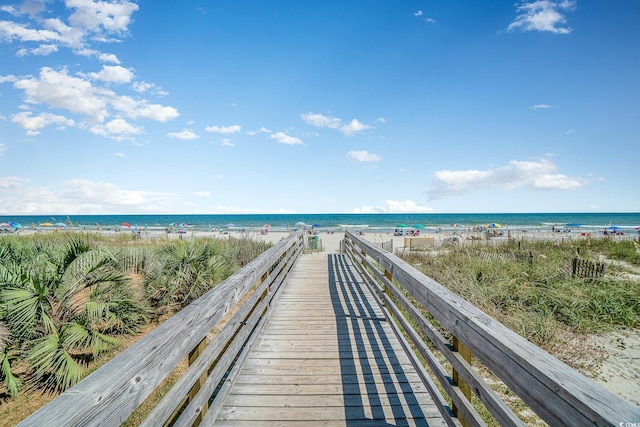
{"x": 319, "y": 107}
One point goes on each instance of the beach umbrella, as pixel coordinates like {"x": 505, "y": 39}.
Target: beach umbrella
{"x": 60, "y": 224}
{"x": 417, "y": 226}
{"x": 266, "y": 226}
{"x": 5, "y": 225}
{"x": 493, "y": 225}
{"x": 126, "y": 224}
{"x": 46, "y": 224}
{"x": 316, "y": 225}
{"x": 457, "y": 225}
{"x": 300, "y": 224}
{"x": 184, "y": 225}
{"x": 613, "y": 227}
{"x": 15, "y": 224}
{"x": 231, "y": 225}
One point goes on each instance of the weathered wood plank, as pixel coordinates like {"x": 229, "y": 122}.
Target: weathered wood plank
{"x": 327, "y": 355}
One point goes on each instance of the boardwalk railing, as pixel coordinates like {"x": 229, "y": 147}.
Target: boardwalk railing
{"x": 111, "y": 394}
{"x": 557, "y": 393}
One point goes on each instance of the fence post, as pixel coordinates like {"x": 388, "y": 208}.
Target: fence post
{"x": 193, "y": 356}
{"x": 464, "y": 351}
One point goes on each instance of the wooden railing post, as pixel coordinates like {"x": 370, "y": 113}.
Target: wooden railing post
{"x": 387, "y": 291}
{"x": 464, "y": 351}
{"x": 195, "y": 353}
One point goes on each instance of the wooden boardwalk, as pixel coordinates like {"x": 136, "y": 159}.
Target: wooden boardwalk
{"x": 327, "y": 357}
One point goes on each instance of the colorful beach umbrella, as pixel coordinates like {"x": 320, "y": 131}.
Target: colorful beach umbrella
{"x": 457, "y": 225}
{"x": 15, "y": 224}
{"x": 126, "y": 224}
{"x": 5, "y": 225}
{"x": 493, "y": 225}
{"x": 46, "y": 224}
{"x": 266, "y": 226}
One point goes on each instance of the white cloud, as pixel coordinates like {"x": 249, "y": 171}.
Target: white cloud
{"x": 121, "y": 155}
{"x": 156, "y": 112}
{"x": 347, "y": 129}
{"x": 148, "y": 87}
{"x": 261, "y": 130}
{"x": 33, "y": 124}
{"x": 394, "y": 206}
{"x": 116, "y": 128}
{"x": 8, "y": 78}
{"x": 363, "y": 156}
{"x": 113, "y": 74}
{"x": 418, "y": 13}
{"x": 11, "y": 31}
{"x": 42, "y": 50}
{"x": 283, "y": 138}
{"x": 381, "y": 120}
{"x": 77, "y": 95}
{"x": 108, "y": 57}
{"x": 225, "y": 130}
{"x": 3, "y": 148}
{"x": 186, "y": 134}
{"x": 88, "y": 21}
{"x": 226, "y": 142}
{"x": 353, "y": 127}
{"x": 98, "y": 16}
{"x": 531, "y": 175}
{"x": 543, "y": 15}
{"x": 58, "y": 89}
{"x": 541, "y": 107}
{"x": 321, "y": 121}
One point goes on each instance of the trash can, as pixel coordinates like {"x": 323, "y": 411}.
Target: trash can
{"x": 313, "y": 243}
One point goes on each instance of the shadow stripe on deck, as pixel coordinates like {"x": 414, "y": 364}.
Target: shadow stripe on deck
{"x": 327, "y": 357}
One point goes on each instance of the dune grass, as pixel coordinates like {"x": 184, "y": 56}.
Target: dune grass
{"x": 526, "y": 287}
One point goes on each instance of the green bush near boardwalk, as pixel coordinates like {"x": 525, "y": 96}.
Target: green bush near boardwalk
{"x": 66, "y": 298}
{"x": 526, "y": 285}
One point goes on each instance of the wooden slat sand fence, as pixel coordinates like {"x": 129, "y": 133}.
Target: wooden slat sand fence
{"x": 111, "y": 394}
{"x": 557, "y": 393}
{"x": 586, "y": 269}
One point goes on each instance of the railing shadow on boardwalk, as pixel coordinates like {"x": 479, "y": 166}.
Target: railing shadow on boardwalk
{"x": 440, "y": 324}
{"x": 357, "y": 318}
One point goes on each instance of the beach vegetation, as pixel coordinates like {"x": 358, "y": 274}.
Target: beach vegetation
{"x": 529, "y": 286}
{"x": 68, "y": 299}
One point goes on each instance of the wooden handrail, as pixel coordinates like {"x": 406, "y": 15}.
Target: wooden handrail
{"x": 556, "y": 392}
{"x": 112, "y": 393}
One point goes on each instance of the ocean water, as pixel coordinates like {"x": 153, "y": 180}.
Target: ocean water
{"x": 369, "y": 222}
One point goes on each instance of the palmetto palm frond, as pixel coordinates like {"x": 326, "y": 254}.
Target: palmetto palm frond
{"x": 12, "y": 382}
{"x": 25, "y": 310}
{"x": 53, "y": 365}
